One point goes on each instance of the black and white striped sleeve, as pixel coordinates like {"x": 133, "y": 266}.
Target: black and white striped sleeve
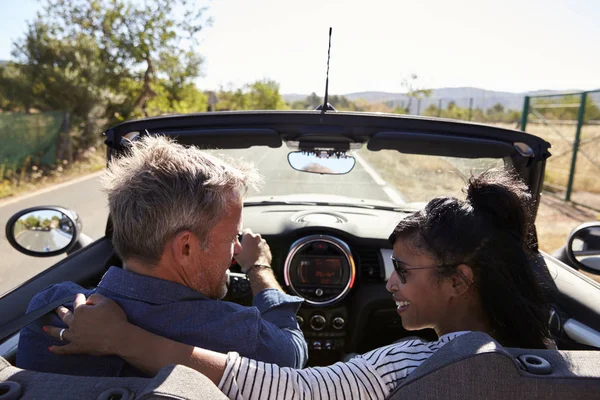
{"x": 367, "y": 377}
{"x": 254, "y": 380}
{"x": 395, "y": 362}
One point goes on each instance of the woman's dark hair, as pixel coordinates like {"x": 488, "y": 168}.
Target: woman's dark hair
{"x": 491, "y": 231}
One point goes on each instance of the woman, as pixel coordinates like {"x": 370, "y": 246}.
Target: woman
{"x": 459, "y": 266}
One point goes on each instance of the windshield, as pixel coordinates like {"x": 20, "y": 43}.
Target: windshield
{"x": 378, "y": 176}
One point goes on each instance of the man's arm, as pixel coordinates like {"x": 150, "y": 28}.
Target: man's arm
{"x": 262, "y": 278}
{"x": 280, "y": 339}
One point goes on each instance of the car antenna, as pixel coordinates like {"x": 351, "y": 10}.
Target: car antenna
{"x": 326, "y": 106}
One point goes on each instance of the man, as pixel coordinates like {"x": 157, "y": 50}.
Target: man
{"x": 176, "y": 214}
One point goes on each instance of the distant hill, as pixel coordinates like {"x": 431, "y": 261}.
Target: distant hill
{"x": 2, "y": 62}
{"x": 461, "y": 96}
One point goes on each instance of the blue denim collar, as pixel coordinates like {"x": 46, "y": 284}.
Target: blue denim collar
{"x": 145, "y": 288}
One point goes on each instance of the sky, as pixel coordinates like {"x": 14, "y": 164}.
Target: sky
{"x": 508, "y": 45}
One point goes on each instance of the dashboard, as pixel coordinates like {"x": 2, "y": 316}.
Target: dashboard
{"x": 338, "y": 260}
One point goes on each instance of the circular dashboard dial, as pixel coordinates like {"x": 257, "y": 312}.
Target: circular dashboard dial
{"x": 320, "y": 269}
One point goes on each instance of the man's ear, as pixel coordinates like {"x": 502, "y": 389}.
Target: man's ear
{"x": 182, "y": 247}
{"x": 462, "y": 279}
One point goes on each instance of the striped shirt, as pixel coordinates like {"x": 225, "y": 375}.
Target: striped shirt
{"x": 370, "y": 376}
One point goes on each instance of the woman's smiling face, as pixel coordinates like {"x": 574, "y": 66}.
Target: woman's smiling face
{"x": 423, "y": 301}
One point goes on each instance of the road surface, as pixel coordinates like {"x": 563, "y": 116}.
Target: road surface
{"x": 85, "y": 197}
{"x": 82, "y": 195}
{"x": 51, "y": 240}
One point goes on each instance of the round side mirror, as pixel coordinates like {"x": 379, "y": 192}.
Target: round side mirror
{"x": 43, "y": 231}
{"x": 583, "y": 248}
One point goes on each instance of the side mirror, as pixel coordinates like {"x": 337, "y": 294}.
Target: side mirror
{"x": 583, "y": 248}
{"x": 44, "y": 231}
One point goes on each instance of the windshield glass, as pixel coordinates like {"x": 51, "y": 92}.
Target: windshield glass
{"x": 388, "y": 176}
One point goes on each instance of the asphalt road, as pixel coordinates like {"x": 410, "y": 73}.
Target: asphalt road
{"x": 281, "y": 179}
{"x": 85, "y": 197}
{"x": 43, "y": 240}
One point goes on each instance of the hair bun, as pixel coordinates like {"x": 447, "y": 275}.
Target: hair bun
{"x": 504, "y": 198}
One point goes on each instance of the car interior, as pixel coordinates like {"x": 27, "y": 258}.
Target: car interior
{"x": 336, "y": 256}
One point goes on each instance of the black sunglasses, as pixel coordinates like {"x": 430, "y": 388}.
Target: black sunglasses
{"x": 401, "y": 270}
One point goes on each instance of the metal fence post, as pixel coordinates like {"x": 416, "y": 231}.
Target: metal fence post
{"x": 580, "y": 116}
{"x": 525, "y": 113}
{"x": 470, "y": 108}
{"x": 439, "y": 107}
{"x": 67, "y": 131}
{"x": 419, "y": 107}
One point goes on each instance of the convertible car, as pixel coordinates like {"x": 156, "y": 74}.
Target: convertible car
{"x": 336, "y": 184}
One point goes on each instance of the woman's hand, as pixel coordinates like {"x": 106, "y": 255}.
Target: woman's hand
{"x": 96, "y": 326}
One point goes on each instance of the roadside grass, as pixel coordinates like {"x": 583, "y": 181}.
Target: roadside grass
{"x": 421, "y": 178}
{"x": 586, "y": 185}
{"x": 35, "y": 178}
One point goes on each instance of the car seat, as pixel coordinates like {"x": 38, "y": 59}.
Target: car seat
{"x": 475, "y": 366}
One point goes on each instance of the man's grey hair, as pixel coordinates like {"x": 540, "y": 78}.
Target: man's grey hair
{"x": 160, "y": 188}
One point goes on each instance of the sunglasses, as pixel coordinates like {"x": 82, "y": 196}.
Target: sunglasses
{"x": 401, "y": 270}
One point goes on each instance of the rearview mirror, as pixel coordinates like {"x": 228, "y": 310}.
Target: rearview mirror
{"x": 583, "y": 248}
{"x": 43, "y": 231}
{"x": 321, "y": 162}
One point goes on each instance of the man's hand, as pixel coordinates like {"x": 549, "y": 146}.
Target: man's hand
{"x": 255, "y": 250}
{"x": 95, "y": 326}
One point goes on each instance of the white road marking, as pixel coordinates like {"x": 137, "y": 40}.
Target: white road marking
{"x": 369, "y": 170}
{"x": 50, "y": 188}
{"x": 392, "y": 193}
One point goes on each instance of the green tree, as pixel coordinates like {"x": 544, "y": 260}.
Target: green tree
{"x": 53, "y": 73}
{"x": 264, "y": 95}
{"x": 313, "y": 101}
{"x": 260, "y": 95}
{"x": 431, "y": 111}
{"x": 497, "y": 108}
{"x": 413, "y": 91}
{"x": 32, "y": 221}
{"x": 107, "y": 60}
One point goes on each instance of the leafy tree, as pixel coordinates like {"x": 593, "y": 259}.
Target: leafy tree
{"x": 314, "y": 101}
{"x": 413, "y": 91}
{"x": 53, "y": 73}
{"x": 259, "y": 95}
{"x": 32, "y": 221}
{"x": 264, "y": 95}
{"x": 431, "y": 111}
{"x": 497, "y": 108}
{"x": 16, "y": 89}
{"x": 107, "y": 60}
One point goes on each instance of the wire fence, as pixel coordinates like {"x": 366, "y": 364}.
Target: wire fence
{"x": 571, "y": 123}
{"x": 27, "y": 140}
{"x": 488, "y": 109}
